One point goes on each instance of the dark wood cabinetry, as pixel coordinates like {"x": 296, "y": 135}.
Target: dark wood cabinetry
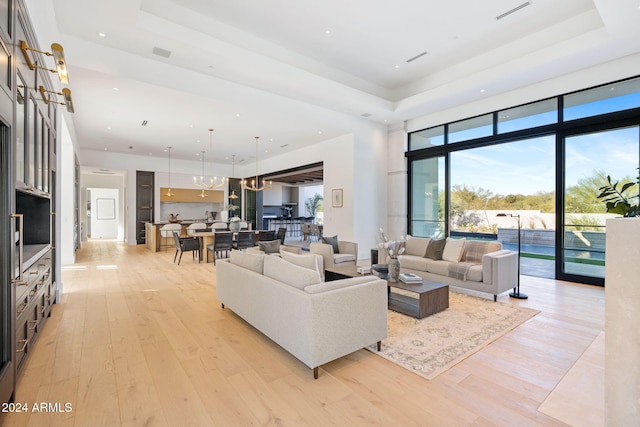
{"x": 144, "y": 203}
{"x": 27, "y": 197}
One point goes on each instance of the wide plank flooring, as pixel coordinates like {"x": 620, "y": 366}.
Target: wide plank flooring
{"x": 139, "y": 341}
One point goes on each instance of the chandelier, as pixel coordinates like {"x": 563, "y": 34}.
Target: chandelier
{"x": 213, "y": 182}
{"x": 255, "y": 184}
{"x": 169, "y": 193}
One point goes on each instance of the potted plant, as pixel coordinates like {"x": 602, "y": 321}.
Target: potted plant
{"x": 618, "y": 201}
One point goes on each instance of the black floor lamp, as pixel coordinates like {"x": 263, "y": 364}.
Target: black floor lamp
{"x": 516, "y": 291}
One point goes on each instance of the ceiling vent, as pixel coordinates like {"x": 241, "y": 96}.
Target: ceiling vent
{"x": 161, "y": 52}
{"x": 515, "y": 9}
{"x": 366, "y": 114}
{"x": 145, "y": 122}
{"x": 420, "y": 55}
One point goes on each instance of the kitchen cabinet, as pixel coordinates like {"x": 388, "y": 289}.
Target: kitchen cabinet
{"x": 27, "y": 199}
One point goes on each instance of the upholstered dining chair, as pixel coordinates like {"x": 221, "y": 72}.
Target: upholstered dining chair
{"x": 267, "y": 235}
{"x": 245, "y": 239}
{"x": 166, "y": 232}
{"x": 186, "y": 244}
{"x": 219, "y": 226}
{"x": 222, "y": 242}
{"x": 282, "y": 233}
{"x": 196, "y": 226}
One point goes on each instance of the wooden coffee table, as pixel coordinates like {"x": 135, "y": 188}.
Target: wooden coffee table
{"x": 432, "y": 298}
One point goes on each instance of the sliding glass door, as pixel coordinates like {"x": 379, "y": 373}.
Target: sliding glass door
{"x": 588, "y": 159}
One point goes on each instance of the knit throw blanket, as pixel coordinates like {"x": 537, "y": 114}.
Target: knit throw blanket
{"x": 459, "y": 270}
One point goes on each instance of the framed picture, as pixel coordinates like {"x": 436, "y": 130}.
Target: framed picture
{"x": 336, "y": 198}
{"x": 106, "y": 209}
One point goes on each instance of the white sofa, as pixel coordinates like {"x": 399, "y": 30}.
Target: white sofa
{"x": 316, "y": 322}
{"x": 471, "y": 264}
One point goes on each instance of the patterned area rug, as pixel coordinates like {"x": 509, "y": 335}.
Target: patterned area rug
{"x": 434, "y": 344}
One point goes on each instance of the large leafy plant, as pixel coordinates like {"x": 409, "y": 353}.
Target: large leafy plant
{"x": 618, "y": 201}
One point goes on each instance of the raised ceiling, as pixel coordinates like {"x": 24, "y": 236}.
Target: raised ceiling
{"x": 297, "y": 73}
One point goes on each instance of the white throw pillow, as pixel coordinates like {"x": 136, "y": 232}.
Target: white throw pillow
{"x": 291, "y": 274}
{"x": 453, "y": 249}
{"x": 310, "y": 261}
{"x": 252, "y": 262}
{"x": 416, "y": 245}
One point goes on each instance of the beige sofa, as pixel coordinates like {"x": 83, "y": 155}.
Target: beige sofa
{"x": 471, "y": 264}
{"x": 284, "y": 298}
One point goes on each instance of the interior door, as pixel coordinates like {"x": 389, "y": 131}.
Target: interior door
{"x": 144, "y": 203}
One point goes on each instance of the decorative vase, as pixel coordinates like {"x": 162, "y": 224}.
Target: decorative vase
{"x": 234, "y": 226}
{"x": 394, "y": 269}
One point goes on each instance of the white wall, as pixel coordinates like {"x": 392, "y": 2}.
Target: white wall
{"x": 105, "y": 181}
{"x": 105, "y": 213}
{"x": 67, "y": 202}
{"x": 601, "y": 74}
{"x": 357, "y": 164}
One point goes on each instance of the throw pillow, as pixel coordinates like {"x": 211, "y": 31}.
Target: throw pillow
{"x": 333, "y": 241}
{"x": 270, "y": 247}
{"x": 310, "y": 261}
{"x": 290, "y": 274}
{"x": 453, "y": 249}
{"x": 252, "y": 262}
{"x": 416, "y": 245}
{"x": 435, "y": 248}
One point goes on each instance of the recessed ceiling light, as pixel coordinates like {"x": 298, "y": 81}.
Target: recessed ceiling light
{"x": 151, "y": 154}
{"x": 327, "y": 32}
{"x": 116, "y": 89}
{"x": 482, "y": 91}
{"x": 108, "y": 127}
{"x": 237, "y": 114}
{"x": 319, "y": 132}
{"x": 102, "y": 34}
{"x": 397, "y": 66}
{"x": 106, "y": 149}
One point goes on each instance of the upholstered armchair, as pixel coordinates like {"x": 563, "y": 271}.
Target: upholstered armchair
{"x": 347, "y": 253}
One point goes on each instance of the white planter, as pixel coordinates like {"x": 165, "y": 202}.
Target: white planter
{"x": 622, "y": 317}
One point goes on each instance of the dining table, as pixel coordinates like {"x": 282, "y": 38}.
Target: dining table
{"x": 207, "y": 237}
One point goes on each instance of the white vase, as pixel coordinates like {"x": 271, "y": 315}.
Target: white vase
{"x": 394, "y": 269}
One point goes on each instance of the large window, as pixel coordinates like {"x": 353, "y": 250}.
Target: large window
{"x": 589, "y": 158}
{"x": 428, "y": 197}
{"x": 541, "y": 165}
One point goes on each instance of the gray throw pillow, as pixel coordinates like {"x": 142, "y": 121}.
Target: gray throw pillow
{"x": 333, "y": 241}
{"x": 270, "y": 247}
{"x": 435, "y": 249}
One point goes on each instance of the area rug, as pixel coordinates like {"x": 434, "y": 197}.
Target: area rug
{"x": 434, "y": 344}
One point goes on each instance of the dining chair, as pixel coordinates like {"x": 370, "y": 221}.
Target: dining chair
{"x": 186, "y": 244}
{"x": 219, "y": 226}
{"x": 267, "y": 235}
{"x": 166, "y": 232}
{"x": 314, "y": 232}
{"x": 246, "y": 239}
{"x": 282, "y": 233}
{"x": 306, "y": 231}
{"x": 196, "y": 226}
{"x": 222, "y": 242}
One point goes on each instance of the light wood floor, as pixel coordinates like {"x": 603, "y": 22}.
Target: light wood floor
{"x": 139, "y": 341}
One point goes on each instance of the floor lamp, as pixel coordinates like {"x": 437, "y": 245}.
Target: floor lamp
{"x": 516, "y": 291}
